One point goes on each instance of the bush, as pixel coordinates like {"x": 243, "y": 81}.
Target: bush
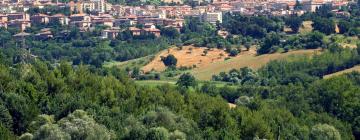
{"x": 170, "y": 60}
{"x": 234, "y": 52}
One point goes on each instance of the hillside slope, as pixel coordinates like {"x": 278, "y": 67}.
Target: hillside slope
{"x": 243, "y": 60}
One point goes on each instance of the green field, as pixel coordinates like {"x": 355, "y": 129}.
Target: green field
{"x": 139, "y": 62}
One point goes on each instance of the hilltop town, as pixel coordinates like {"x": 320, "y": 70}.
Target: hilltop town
{"x": 87, "y": 14}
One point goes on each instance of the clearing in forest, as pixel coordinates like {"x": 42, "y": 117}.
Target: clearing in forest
{"x": 214, "y": 62}
{"x": 306, "y": 27}
{"x": 188, "y": 56}
{"x": 244, "y": 60}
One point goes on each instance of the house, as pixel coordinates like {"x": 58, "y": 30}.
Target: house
{"x": 40, "y": 19}
{"x": 18, "y": 16}
{"x": 83, "y": 25}
{"x": 135, "y": 31}
{"x": 60, "y": 18}
{"x": 126, "y": 22}
{"x": 19, "y": 24}
{"x": 213, "y": 17}
{"x": 3, "y": 25}
{"x": 148, "y": 19}
{"x": 151, "y": 30}
{"x": 173, "y": 1}
{"x": 105, "y": 22}
{"x": 3, "y": 18}
{"x": 44, "y": 35}
{"x": 21, "y": 35}
{"x": 118, "y": 10}
{"x": 80, "y": 17}
{"x": 81, "y": 21}
{"x": 102, "y": 19}
{"x": 174, "y": 22}
{"x": 312, "y": 5}
{"x": 88, "y": 6}
{"x": 111, "y": 33}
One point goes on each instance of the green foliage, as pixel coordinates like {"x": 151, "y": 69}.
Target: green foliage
{"x": 254, "y": 26}
{"x": 158, "y": 133}
{"x": 294, "y": 22}
{"x": 186, "y": 80}
{"x": 344, "y": 26}
{"x": 114, "y": 105}
{"x": 298, "y": 5}
{"x": 169, "y": 60}
{"x": 234, "y": 52}
{"x": 270, "y": 41}
{"x": 324, "y": 25}
{"x": 324, "y": 132}
{"x": 77, "y": 125}
{"x": 243, "y": 76}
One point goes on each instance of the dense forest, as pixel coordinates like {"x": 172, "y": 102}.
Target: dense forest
{"x": 41, "y": 101}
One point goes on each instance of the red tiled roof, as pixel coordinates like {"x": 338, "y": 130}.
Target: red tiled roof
{"x": 152, "y": 30}
{"x": 58, "y": 15}
{"x": 134, "y": 29}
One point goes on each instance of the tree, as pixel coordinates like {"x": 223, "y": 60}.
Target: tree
{"x": 170, "y": 60}
{"x": 247, "y": 46}
{"x": 186, "y": 80}
{"x": 170, "y": 32}
{"x": 158, "y": 133}
{"x": 324, "y": 11}
{"x": 49, "y": 132}
{"x": 177, "y": 135}
{"x": 271, "y": 40}
{"x": 326, "y": 26}
{"x": 5, "y": 117}
{"x": 324, "y": 132}
{"x": 76, "y": 125}
{"x": 344, "y": 26}
{"x": 294, "y": 22}
{"x": 314, "y": 40}
{"x": 298, "y": 5}
{"x": 243, "y": 100}
{"x": 356, "y": 127}
{"x": 234, "y": 52}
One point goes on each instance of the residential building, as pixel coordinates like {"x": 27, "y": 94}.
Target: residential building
{"x": 135, "y": 31}
{"x": 18, "y": 16}
{"x": 19, "y": 24}
{"x": 60, "y": 18}
{"x": 3, "y": 18}
{"x": 212, "y": 17}
{"x": 40, "y": 19}
{"x": 111, "y": 33}
{"x": 3, "y": 25}
{"x": 80, "y": 17}
{"x": 151, "y": 30}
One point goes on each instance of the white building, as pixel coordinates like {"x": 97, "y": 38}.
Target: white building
{"x": 212, "y": 17}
